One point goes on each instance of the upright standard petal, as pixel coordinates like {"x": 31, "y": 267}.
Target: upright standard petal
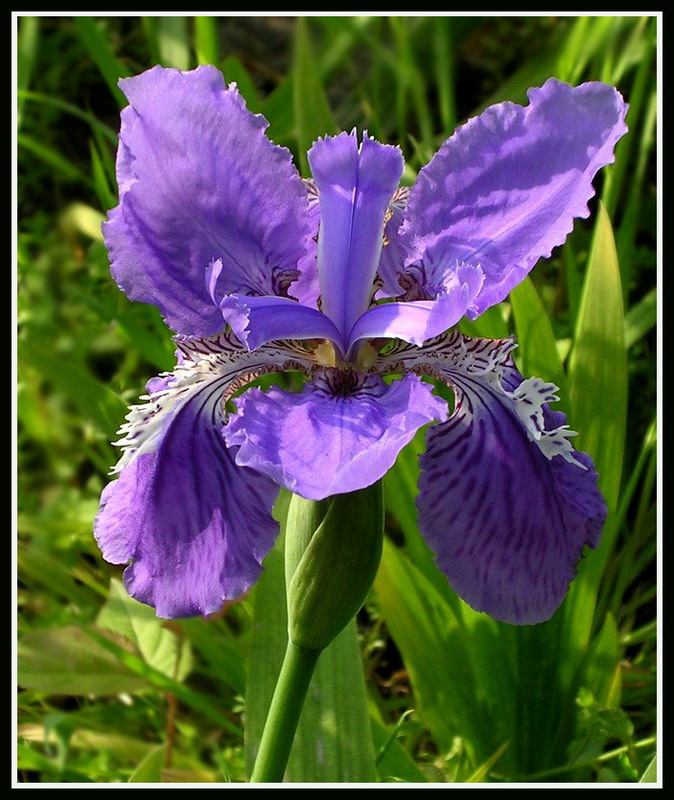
{"x": 506, "y": 187}
{"x": 195, "y": 525}
{"x": 340, "y": 434}
{"x": 505, "y": 502}
{"x": 355, "y": 187}
{"x": 200, "y": 181}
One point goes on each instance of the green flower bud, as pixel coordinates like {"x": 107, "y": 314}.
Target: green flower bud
{"x": 333, "y": 549}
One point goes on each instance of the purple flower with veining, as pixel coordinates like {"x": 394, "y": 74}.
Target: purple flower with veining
{"x": 346, "y": 279}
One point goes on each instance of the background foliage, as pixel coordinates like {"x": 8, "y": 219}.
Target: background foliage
{"x": 423, "y": 688}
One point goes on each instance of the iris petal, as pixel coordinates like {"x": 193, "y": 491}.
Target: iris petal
{"x": 355, "y": 186}
{"x": 505, "y": 502}
{"x": 200, "y": 181}
{"x": 195, "y": 524}
{"x": 506, "y": 187}
{"x": 340, "y": 434}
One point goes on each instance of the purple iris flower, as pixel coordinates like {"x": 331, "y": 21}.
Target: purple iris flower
{"x": 346, "y": 279}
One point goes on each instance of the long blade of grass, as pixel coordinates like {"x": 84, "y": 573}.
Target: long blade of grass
{"x": 98, "y": 47}
{"x": 206, "y": 40}
{"x": 85, "y": 116}
{"x": 313, "y": 117}
{"x": 173, "y": 42}
{"x": 54, "y": 159}
{"x": 27, "y": 46}
{"x": 598, "y": 394}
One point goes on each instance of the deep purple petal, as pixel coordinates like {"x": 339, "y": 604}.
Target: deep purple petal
{"x": 355, "y": 186}
{"x": 417, "y": 321}
{"x": 340, "y": 434}
{"x": 505, "y": 502}
{"x": 200, "y": 181}
{"x": 506, "y": 187}
{"x": 195, "y": 524}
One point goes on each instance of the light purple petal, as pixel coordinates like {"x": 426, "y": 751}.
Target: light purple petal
{"x": 195, "y": 524}
{"x": 340, "y": 434}
{"x": 417, "y": 321}
{"x": 355, "y": 186}
{"x": 200, "y": 181}
{"x": 258, "y": 320}
{"x": 506, "y": 187}
{"x": 306, "y": 288}
{"x": 393, "y": 255}
{"x": 505, "y": 502}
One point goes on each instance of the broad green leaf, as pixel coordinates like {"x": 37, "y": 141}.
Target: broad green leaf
{"x": 206, "y": 40}
{"x": 173, "y": 42}
{"x": 537, "y": 344}
{"x": 313, "y": 117}
{"x": 598, "y": 394}
{"x": 98, "y": 47}
{"x": 96, "y": 401}
{"x": 334, "y": 742}
{"x": 66, "y": 661}
{"x": 149, "y": 769}
{"x": 434, "y": 650}
{"x": 598, "y": 370}
{"x": 162, "y": 648}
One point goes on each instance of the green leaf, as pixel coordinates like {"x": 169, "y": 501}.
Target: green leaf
{"x": 483, "y": 770}
{"x": 149, "y": 769}
{"x": 66, "y": 661}
{"x": 173, "y": 42}
{"x": 434, "y": 650}
{"x": 313, "y": 117}
{"x": 537, "y": 344}
{"x": 598, "y": 394}
{"x": 110, "y": 67}
{"x": 650, "y": 774}
{"x": 641, "y": 318}
{"x": 54, "y": 159}
{"x": 27, "y": 48}
{"x": 393, "y": 762}
{"x": 234, "y": 71}
{"x": 598, "y": 369}
{"x": 206, "y": 40}
{"x": 96, "y": 401}
{"x": 161, "y": 648}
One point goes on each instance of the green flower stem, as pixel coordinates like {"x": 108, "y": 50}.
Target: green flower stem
{"x": 284, "y": 714}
